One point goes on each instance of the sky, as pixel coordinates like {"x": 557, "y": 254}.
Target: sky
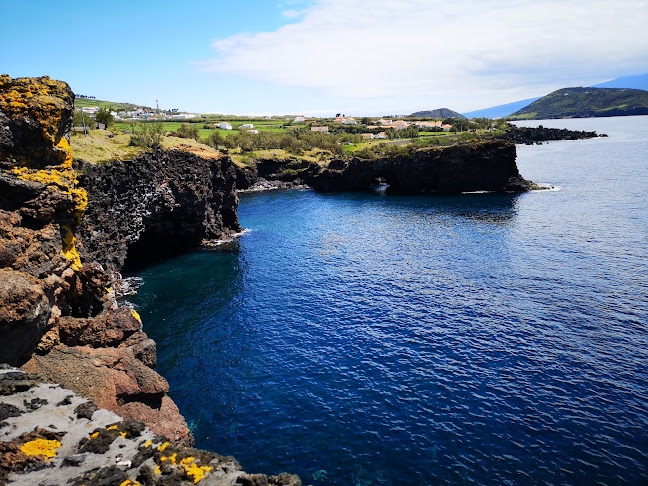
{"x": 322, "y": 57}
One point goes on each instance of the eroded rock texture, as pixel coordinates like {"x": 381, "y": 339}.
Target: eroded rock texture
{"x": 58, "y": 314}
{"x": 51, "y": 436}
{"x": 159, "y": 204}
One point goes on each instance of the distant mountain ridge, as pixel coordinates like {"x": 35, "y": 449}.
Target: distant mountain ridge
{"x": 438, "y": 113}
{"x": 586, "y": 103}
{"x": 639, "y": 81}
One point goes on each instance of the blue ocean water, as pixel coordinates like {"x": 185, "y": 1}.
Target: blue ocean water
{"x": 367, "y": 339}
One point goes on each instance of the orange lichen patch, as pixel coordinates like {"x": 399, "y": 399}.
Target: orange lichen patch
{"x": 41, "y": 447}
{"x": 135, "y": 314}
{"x": 95, "y": 435}
{"x": 112, "y": 427}
{"x": 69, "y": 250}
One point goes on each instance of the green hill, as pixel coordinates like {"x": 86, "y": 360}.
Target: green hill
{"x": 82, "y": 102}
{"x": 586, "y": 103}
{"x": 438, "y": 113}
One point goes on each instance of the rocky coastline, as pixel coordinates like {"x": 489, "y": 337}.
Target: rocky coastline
{"x": 60, "y": 321}
{"x": 464, "y": 167}
{"x": 67, "y": 230}
{"x": 535, "y": 135}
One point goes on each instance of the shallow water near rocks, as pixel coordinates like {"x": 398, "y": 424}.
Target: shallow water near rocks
{"x": 368, "y": 339}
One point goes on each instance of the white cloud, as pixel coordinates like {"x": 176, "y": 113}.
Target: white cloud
{"x": 382, "y": 48}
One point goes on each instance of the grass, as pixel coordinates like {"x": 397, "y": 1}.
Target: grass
{"x": 83, "y": 102}
{"x": 99, "y": 146}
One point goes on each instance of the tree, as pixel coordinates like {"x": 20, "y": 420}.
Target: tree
{"x": 104, "y": 116}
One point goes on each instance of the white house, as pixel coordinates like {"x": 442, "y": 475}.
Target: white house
{"x": 247, "y": 125}
{"x": 380, "y": 136}
{"x": 225, "y": 126}
{"x": 446, "y": 127}
{"x": 90, "y": 109}
{"x": 299, "y": 119}
{"x": 255, "y": 132}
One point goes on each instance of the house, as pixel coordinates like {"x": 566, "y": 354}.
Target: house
{"x": 367, "y": 136}
{"x": 90, "y": 109}
{"x": 299, "y": 119}
{"x": 349, "y": 121}
{"x": 225, "y": 126}
{"x": 247, "y": 125}
{"x": 183, "y": 116}
{"x": 423, "y": 124}
{"x": 254, "y": 132}
{"x": 446, "y": 127}
{"x": 380, "y": 136}
{"x": 320, "y": 129}
{"x": 384, "y": 121}
{"x": 400, "y": 125}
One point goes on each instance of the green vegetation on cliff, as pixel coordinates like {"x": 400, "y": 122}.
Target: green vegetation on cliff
{"x": 585, "y": 103}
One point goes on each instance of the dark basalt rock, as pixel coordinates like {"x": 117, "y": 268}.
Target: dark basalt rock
{"x": 530, "y": 135}
{"x": 482, "y": 166}
{"x": 160, "y": 204}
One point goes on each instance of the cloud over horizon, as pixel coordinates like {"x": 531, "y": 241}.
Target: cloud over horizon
{"x": 379, "y": 48}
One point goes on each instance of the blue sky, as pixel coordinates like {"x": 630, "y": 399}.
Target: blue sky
{"x": 322, "y": 57}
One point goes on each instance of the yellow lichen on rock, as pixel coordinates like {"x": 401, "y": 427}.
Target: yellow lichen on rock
{"x": 41, "y": 447}
{"x": 69, "y": 250}
{"x": 193, "y": 470}
{"x": 136, "y": 315}
{"x": 36, "y": 98}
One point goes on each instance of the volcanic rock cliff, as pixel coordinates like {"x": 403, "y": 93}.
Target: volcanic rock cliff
{"x": 161, "y": 203}
{"x": 464, "y": 167}
{"x": 58, "y": 316}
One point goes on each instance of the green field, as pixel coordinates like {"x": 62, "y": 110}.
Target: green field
{"x": 273, "y": 126}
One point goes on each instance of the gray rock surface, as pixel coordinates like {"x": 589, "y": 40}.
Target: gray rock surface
{"x": 49, "y": 436}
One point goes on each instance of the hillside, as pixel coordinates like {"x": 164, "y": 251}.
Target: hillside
{"x": 438, "y": 113}
{"x": 586, "y": 103}
{"x": 82, "y": 102}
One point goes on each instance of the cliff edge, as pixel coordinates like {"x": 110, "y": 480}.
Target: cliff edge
{"x": 59, "y": 318}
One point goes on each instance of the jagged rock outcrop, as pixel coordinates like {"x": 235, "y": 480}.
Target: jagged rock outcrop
{"x": 161, "y": 203}
{"x": 47, "y": 292}
{"x": 58, "y": 313}
{"x": 463, "y": 167}
{"x": 481, "y": 166}
{"x": 531, "y": 135}
{"x": 51, "y": 436}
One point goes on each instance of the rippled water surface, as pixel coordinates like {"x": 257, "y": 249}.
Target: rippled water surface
{"x": 364, "y": 339}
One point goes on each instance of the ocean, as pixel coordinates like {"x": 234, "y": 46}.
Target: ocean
{"x": 372, "y": 339}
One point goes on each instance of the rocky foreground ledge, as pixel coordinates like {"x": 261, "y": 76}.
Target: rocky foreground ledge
{"x": 49, "y": 436}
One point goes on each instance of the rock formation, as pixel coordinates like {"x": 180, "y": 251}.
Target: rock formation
{"x": 531, "y": 135}
{"x": 161, "y": 203}
{"x": 464, "y": 167}
{"x": 59, "y": 317}
{"x": 51, "y": 436}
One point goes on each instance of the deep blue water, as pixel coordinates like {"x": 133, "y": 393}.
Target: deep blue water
{"x": 364, "y": 339}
